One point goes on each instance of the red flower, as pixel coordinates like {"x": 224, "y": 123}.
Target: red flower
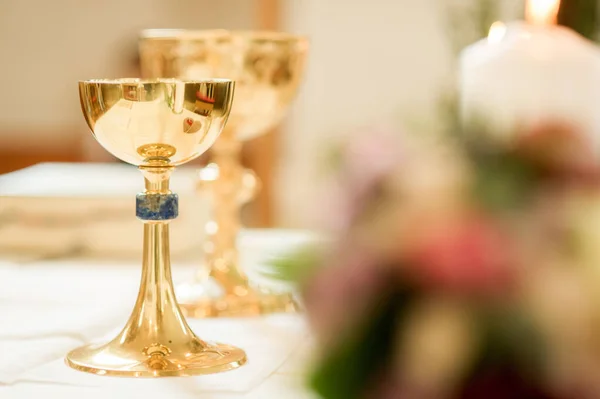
{"x": 469, "y": 255}
{"x": 502, "y": 383}
{"x": 560, "y": 151}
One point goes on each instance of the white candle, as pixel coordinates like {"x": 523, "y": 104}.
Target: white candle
{"x": 524, "y": 73}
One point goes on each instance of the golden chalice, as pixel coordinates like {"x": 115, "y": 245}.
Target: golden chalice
{"x": 156, "y": 125}
{"x": 267, "y": 68}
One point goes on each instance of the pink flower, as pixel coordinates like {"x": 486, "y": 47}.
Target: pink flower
{"x": 469, "y": 255}
{"x": 367, "y": 159}
{"x": 343, "y": 293}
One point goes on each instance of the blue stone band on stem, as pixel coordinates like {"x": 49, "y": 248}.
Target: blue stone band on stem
{"x": 156, "y": 206}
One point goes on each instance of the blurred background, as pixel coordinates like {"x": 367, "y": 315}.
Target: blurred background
{"x": 370, "y": 62}
{"x": 446, "y": 241}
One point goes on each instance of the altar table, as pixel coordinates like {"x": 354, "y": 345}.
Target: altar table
{"x": 48, "y": 307}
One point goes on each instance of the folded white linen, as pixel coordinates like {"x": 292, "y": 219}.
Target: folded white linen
{"x": 50, "y": 307}
{"x": 276, "y": 387}
{"x": 20, "y": 356}
{"x": 268, "y": 342}
{"x": 46, "y": 311}
{"x": 68, "y": 282}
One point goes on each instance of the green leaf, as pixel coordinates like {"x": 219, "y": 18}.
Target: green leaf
{"x": 297, "y": 265}
{"x": 363, "y": 353}
{"x": 581, "y": 16}
{"x": 510, "y": 339}
{"x": 503, "y": 183}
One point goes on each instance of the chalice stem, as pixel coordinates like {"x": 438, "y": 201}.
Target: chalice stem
{"x": 156, "y": 312}
{"x": 222, "y": 258}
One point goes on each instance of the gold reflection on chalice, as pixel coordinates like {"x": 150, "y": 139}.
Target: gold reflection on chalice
{"x": 147, "y": 124}
{"x": 267, "y": 68}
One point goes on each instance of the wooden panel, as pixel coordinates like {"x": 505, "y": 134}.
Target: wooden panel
{"x": 269, "y": 14}
{"x": 260, "y": 154}
{"x": 21, "y": 154}
{"x": 12, "y": 161}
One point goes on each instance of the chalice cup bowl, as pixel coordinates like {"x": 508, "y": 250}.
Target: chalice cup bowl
{"x": 267, "y": 68}
{"x": 156, "y": 125}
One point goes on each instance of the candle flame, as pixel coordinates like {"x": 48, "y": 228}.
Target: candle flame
{"x": 497, "y": 32}
{"x": 542, "y": 12}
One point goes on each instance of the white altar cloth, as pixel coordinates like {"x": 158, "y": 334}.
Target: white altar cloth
{"x": 50, "y": 307}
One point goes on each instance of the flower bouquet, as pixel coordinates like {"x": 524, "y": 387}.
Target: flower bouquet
{"x": 466, "y": 268}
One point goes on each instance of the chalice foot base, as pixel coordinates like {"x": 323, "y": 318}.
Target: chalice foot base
{"x": 113, "y": 359}
{"x": 202, "y": 300}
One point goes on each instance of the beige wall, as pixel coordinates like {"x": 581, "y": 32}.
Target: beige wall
{"x": 371, "y": 61}
{"x": 46, "y": 46}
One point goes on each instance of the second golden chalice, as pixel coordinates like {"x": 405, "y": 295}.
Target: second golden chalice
{"x": 267, "y": 68}
{"x": 156, "y": 125}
